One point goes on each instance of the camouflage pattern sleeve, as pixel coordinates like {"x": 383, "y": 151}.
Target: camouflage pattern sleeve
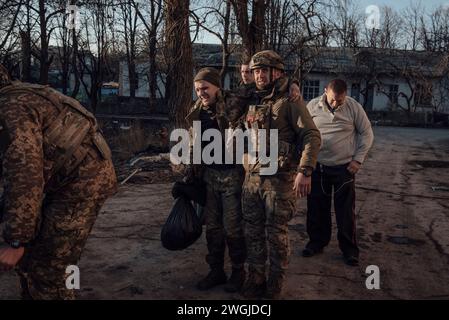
{"x": 22, "y": 163}
{"x": 308, "y": 135}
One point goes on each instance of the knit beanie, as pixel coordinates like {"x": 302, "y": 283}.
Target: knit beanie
{"x": 210, "y": 75}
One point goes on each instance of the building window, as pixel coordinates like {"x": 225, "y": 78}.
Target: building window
{"x": 393, "y": 91}
{"x": 311, "y": 89}
{"x": 355, "y": 91}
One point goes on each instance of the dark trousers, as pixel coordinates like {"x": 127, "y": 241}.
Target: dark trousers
{"x": 338, "y": 182}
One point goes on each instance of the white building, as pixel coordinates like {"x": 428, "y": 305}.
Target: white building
{"x": 381, "y": 80}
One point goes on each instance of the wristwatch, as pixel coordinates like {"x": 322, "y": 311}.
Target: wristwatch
{"x": 15, "y": 244}
{"x": 306, "y": 171}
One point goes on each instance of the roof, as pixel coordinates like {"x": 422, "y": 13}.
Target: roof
{"x": 381, "y": 61}
{"x": 343, "y": 60}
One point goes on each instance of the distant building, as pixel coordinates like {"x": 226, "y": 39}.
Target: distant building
{"x": 381, "y": 80}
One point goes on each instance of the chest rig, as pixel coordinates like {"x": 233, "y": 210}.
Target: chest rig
{"x": 65, "y": 139}
{"x": 261, "y": 117}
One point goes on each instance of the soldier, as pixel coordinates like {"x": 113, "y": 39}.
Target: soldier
{"x": 57, "y": 173}
{"x": 224, "y": 182}
{"x": 246, "y": 74}
{"x": 247, "y": 85}
{"x": 269, "y": 200}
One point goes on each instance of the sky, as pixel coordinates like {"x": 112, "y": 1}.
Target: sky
{"x": 401, "y": 4}
{"x": 398, "y": 5}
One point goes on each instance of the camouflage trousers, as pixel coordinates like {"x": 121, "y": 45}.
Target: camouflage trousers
{"x": 268, "y": 205}
{"x": 68, "y": 215}
{"x": 224, "y": 217}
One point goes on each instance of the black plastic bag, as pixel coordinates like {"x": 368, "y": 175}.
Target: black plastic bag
{"x": 194, "y": 190}
{"x": 183, "y": 227}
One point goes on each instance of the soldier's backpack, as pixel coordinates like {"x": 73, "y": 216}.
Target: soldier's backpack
{"x": 64, "y": 136}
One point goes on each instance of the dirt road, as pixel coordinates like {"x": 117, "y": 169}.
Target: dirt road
{"x": 403, "y": 228}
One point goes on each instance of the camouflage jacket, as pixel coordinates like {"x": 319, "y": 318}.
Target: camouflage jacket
{"x": 29, "y": 160}
{"x": 293, "y": 122}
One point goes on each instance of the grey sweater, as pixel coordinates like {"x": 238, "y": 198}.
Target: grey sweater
{"x": 346, "y": 135}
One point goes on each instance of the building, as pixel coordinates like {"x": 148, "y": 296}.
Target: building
{"x": 381, "y": 80}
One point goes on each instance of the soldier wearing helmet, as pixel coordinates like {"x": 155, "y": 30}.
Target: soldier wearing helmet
{"x": 247, "y": 84}
{"x": 268, "y": 201}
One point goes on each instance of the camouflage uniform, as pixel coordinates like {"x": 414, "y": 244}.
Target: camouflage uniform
{"x": 223, "y": 205}
{"x": 52, "y": 195}
{"x": 269, "y": 201}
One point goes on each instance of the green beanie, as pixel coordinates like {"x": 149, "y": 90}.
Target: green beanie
{"x": 210, "y": 75}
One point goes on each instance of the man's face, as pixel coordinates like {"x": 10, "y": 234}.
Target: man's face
{"x": 245, "y": 73}
{"x": 206, "y": 91}
{"x": 263, "y": 78}
{"x": 335, "y": 99}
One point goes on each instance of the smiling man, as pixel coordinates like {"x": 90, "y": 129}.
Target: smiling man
{"x": 269, "y": 200}
{"x": 224, "y": 182}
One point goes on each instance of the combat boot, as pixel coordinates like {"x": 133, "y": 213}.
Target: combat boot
{"x": 255, "y": 285}
{"x": 213, "y": 279}
{"x": 236, "y": 280}
{"x": 274, "y": 286}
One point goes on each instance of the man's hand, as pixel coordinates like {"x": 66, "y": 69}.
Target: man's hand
{"x": 9, "y": 257}
{"x": 354, "y": 167}
{"x": 302, "y": 185}
{"x": 294, "y": 92}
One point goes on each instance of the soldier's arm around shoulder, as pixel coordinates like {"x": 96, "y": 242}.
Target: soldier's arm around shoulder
{"x": 307, "y": 133}
{"x": 22, "y": 164}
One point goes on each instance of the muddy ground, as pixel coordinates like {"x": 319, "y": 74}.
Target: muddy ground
{"x": 403, "y": 228}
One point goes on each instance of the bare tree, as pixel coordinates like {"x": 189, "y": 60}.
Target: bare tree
{"x": 277, "y": 19}
{"x": 95, "y": 42}
{"x": 45, "y": 33}
{"x": 63, "y": 39}
{"x": 344, "y": 19}
{"x": 435, "y": 30}
{"x": 412, "y": 17}
{"x": 390, "y": 32}
{"x": 251, "y": 31}
{"x": 391, "y": 29}
{"x": 151, "y": 17}
{"x": 129, "y": 17}
{"x": 8, "y": 9}
{"x": 178, "y": 51}
{"x": 216, "y": 19}
{"x": 305, "y": 34}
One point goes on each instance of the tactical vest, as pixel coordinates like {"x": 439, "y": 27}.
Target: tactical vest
{"x": 259, "y": 117}
{"x": 64, "y": 136}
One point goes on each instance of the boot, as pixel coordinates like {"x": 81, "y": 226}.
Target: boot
{"x": 255, "y": 285}
{"x": 274, "y": 286}
{"x": 236, "y": 280}
{"x": 214, "y": 278}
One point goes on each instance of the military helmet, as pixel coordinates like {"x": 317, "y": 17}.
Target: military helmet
{"x": 266, "y": 58}
{"x": 4, "y": 76}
